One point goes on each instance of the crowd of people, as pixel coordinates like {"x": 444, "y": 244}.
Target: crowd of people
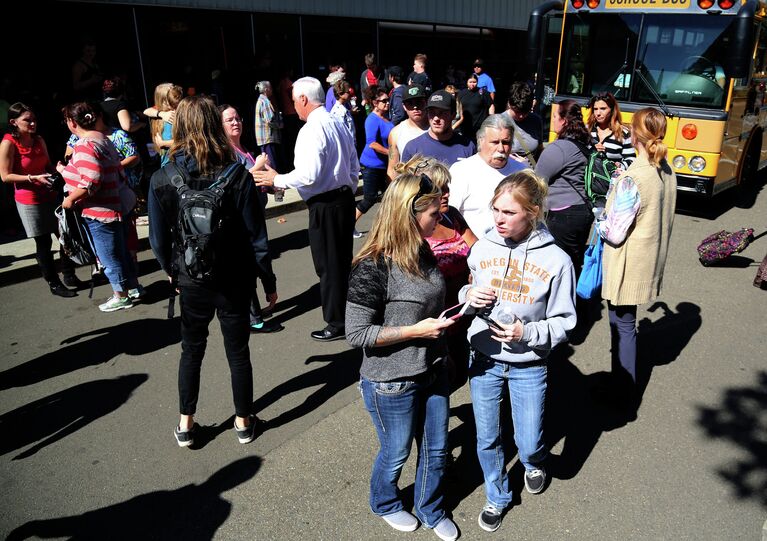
{"x": 474, "y": 214}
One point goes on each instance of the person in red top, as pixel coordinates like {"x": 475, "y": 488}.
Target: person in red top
{"x": 24, "y": 161}
{"x": 96, "y": 184}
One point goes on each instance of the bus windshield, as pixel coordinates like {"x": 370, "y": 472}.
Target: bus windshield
{"x": 682, "y": 57}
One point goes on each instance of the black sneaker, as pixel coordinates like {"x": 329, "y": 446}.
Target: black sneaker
{"x": 185, "y": 439}
{"x": 490, "y": 518}
{"x": 247, "y": 434}
{"x": 535, "y": 480}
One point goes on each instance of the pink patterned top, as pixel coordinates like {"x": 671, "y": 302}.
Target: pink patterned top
{"x": 451, "y": 254}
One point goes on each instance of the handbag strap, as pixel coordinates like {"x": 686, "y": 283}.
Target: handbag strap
{"x": 520, "y": 139}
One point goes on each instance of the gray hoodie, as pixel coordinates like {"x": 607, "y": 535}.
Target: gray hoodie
{"x": 539, "y": 288}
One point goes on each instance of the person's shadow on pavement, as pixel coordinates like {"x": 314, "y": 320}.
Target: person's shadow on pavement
{"x": 136, "y": 337}
{"x": 340, "y": 371}
{"x": 189, "y": 512}
{"x": 739, "y": 420}
{"x": 54, "y": 417}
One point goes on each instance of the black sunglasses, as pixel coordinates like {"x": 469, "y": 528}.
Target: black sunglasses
{"x": 426, "y": 186}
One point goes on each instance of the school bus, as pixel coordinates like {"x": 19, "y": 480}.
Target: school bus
{"x": 702, "y": 62}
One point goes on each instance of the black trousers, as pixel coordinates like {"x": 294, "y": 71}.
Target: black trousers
{"x": 44, "y": 257}
{"x": 198, "y": 305}
{"x": 570, "y": 228}
{"x": 331, "y": 225}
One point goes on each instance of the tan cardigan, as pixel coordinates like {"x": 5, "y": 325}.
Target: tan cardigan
{"x": 633, "y": 270}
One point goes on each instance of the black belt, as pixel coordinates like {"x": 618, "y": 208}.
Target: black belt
{"x": 328, "y": 196}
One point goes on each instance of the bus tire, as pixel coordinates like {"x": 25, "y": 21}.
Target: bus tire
{"x": 750, "y": 164}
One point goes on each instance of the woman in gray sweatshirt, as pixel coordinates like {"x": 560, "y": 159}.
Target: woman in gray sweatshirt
{"x": 396, "y": 294}
{"x": 524, "y": 289}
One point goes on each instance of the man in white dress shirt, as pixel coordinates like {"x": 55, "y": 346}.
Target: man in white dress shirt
{"x": 326, "y": 176}
{"x": 474, "y": 179}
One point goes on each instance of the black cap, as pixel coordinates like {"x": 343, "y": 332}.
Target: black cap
{"x": 414, "y": 92}
{"x": 441, "y": 99}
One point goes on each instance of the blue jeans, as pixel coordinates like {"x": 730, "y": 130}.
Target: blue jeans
{"x": 527, "y": 390}
{"x": 373, "y": 181}
{"x": 112, "y": 250}
{"x": 403, "y": 410}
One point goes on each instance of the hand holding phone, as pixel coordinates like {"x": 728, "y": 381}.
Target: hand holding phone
{"x": 490, "y": 321}
{"x": 454, "y": 312}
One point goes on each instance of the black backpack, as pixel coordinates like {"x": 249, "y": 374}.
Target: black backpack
{"x": 200, "y": 221}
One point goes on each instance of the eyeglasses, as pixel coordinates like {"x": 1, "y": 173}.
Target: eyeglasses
{"x": 426, "y": 186}
{"x": 383, "y": 100}
{"x": 233, "y": 120}
{"x": 415, "y": 104}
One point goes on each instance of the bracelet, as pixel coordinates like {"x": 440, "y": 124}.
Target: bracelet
{"x": 29, "y": 177}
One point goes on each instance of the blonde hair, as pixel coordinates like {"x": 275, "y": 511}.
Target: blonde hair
{"x": 527, "y": 189}
{"x": 648, "y": 127}
{"x": 161, "y": 104}
{"x": 436, "y": 170}
{"x": 395, "y": 233}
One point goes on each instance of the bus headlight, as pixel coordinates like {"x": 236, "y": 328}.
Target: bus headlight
{"x": 679, "y": 162}
{"x": 697, "y": 164}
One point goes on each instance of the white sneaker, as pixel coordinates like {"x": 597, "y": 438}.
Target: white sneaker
{"x": 116, "y": 303}
{"x": 446, "y": 530}
{"x": 402, "y": 521}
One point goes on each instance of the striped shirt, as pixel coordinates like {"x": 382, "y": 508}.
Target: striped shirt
{"x": 618, "y": 151}
{"x": 95, "y": 166}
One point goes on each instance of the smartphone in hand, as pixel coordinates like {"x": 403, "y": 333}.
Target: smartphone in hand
{"x": 490, "y": 321}
{"x": 454, "y": 312}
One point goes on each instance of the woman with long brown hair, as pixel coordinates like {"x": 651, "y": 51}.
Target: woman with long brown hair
{"x": 636, "y": 226}
{"x": 608, "y": 134}
{"x": 201, "y": 155}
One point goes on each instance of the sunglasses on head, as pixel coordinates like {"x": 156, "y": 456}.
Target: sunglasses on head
{"x": 426, "y": 186}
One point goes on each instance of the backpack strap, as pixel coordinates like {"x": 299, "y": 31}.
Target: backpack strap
{"x": 225, "y": 176}
{"x": 176, "y": 176}
{"x": 587, "y": 153}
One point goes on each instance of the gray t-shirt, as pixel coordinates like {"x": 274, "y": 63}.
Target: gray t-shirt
{"x": 381, "y": 296}
{"x": 563, "y": 164}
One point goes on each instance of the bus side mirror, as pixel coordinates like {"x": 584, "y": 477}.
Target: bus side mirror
{"x": 738, "y": 62}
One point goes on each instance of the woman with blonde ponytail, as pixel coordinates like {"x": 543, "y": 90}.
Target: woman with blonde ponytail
{"x": 396, "y": 295}
{"x": 636, "y": 226}
{"x": 523, "y": 289}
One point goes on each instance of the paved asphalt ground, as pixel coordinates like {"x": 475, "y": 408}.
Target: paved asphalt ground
{"x": 88, "y": 402}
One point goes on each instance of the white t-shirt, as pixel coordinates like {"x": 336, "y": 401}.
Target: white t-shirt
{"x": 471, "y": 190}
{"x": 407, "y": 133}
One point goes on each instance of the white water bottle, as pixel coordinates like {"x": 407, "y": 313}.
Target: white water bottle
{"x": 506, "y": 315}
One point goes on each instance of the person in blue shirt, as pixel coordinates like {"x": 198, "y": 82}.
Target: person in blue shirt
{"x": 440, "y": 141}
{"x": 485, "y": 83}
{"x": 375, "y": 155}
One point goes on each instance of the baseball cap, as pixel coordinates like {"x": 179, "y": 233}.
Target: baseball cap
{"x": 414, "y": 92}
{"x": 441, "y": 99}
{"x": 335, "y": 76}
